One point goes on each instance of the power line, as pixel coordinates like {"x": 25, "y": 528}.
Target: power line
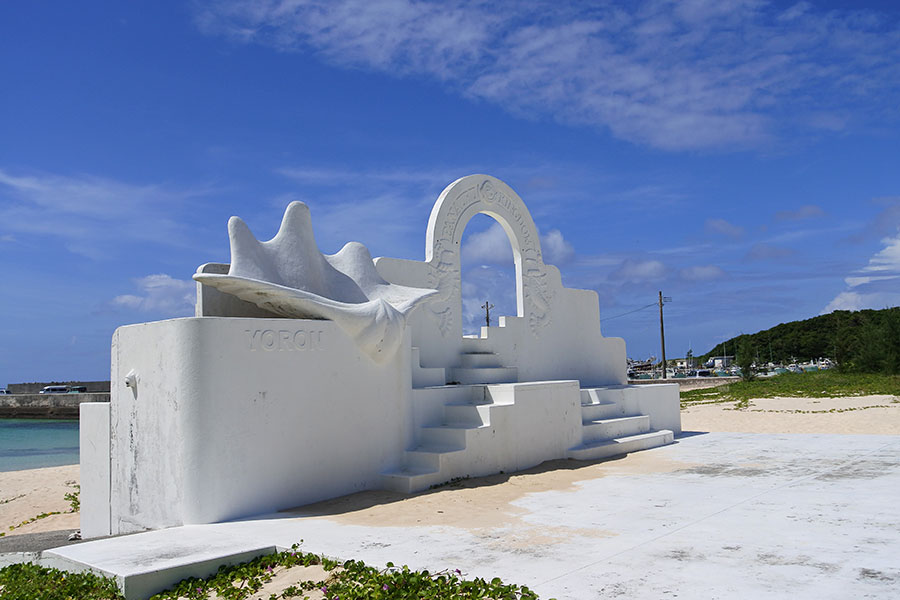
{"x": 628, "y": 313}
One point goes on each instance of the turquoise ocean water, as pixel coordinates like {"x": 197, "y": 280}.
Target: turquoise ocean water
{"x": 37, "y": 443}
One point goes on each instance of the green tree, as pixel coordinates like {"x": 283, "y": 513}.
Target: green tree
{"x": 744, "y": 359}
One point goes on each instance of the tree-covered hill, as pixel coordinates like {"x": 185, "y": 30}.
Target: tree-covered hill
{"x": 865, "y": 340}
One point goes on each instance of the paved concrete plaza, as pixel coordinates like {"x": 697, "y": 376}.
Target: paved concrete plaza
{"x": 717, "y": 515}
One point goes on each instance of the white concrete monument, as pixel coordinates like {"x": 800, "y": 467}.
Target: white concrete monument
{"x": 304, "y": 377}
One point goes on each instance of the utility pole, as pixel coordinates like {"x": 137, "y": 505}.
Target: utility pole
{"x": 487, "y": 306}
{"x": 662, "y": 332}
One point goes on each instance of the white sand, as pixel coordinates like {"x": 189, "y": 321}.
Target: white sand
{"x": 25, "y": 494}
{"x": 878, "y": 415}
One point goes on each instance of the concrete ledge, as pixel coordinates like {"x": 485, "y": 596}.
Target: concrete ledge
{"x": 46, "y": 406}
{"x": 152, "y": 569}
{"x": 688, "y": 383}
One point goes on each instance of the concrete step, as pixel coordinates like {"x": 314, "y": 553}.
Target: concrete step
{"x": 623, "y": 445}
{"x": 606, "y": 429}
{"x": 600, "y": 410}
{"x": 465, "y": 375}
{"x": 470, "y": 415}
{"x": 475, "y": 345}
{"x": 428, "y": 456}
{"x": 410, "y": 480}
{"x": 449, "y": 435}
{"x": 479, "y": 360}
{"x": 426, "y": 376}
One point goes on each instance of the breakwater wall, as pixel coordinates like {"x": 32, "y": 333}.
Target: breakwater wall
{"x": 689, "y": 383}
{"x": 46, "y": 406}
{"x": 36, "y": 386}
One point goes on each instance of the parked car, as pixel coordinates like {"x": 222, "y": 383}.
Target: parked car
{"x": 55, "y": 389}
{"x": 3, "y": 392}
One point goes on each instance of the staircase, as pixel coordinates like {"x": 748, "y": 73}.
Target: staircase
{"x": 612, "y": 424}
{"x": 474, "y": 419}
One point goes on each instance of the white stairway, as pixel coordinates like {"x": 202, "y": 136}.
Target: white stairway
{"x": 478, "y": 430}
{"x": 613, "y": 425}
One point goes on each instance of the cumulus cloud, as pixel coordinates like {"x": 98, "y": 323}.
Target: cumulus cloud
{"x": 807, "y": 211}
{"x": 490, "y": 246}
{"x": 557, "y": 250}
{"x": 851, "y": 300}
{"x": 875, "y": 285}
{"x": 639, "y": 270}
{"x": 160, "y": 294}
{"x": 673, "y": 75}
{"x": 723, "y": 227}
{"x": 701, "y": 273}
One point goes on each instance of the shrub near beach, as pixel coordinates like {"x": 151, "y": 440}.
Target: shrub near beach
{"x": 349, "y": 580}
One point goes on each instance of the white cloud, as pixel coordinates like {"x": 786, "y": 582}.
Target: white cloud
{"x": 490, "y": 246}
{"x": 723, "y": 227}
{"x": 557, "y": 250}
{"x": 160, "y": 294}
{"x": 89, "y": 213}
{"x": 674, "y": 75}
{"x": 857, "y": 301}
{"x": 702, "y": 273}
{"x": 887, "y": 260}
{"x": 875, "y": 285}
{"x": 639, "y": 270}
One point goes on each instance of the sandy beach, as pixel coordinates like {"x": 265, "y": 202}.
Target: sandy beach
{"x": 26, "y": 494}
{"x": 486, "y": 502}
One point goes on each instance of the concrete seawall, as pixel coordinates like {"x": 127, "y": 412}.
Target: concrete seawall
{"x": 688, "y": 383}
{"x": 46, "y": 406}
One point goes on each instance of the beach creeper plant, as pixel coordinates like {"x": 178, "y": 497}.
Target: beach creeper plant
{"x": 27, "y": 581}
{"x": 349, "y": 580}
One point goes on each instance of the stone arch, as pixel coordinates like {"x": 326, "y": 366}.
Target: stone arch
{"x": 457, "y": 204}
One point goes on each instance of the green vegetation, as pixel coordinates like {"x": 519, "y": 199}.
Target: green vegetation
{"x": 821, "y": 384}
{"x": 27, "y": 581}
{"x": 74, "y": 499}
{"x": 350, "y": 580}
{"x": 858, "y": 341}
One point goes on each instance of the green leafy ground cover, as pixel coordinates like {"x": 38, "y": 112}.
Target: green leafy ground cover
{"x": 74, "y": 499}
{"x": 821, "y": 384}
{"x": 349, "y": 580}
{"x": 27, "y": 581}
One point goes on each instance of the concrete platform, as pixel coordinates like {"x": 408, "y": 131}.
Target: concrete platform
{"x": 720, "y": 515}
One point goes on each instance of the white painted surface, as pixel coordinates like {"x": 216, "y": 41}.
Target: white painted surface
{"x": 234, "y": 417}
{"x": 721, "y": 515}
{"x": 556, "y": 334}
{"x": 94, "y": 457}
{"x": 290, "y": 277}
{"x": 233, "y": 413}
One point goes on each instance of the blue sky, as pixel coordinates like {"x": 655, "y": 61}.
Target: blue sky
{"x": 741, "y": 156}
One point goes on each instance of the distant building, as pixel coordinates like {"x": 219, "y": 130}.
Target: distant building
{"x": 687, "y": 363}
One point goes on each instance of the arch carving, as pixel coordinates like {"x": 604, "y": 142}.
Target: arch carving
{"x": 459, "y": 202}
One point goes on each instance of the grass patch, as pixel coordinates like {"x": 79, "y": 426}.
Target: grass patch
{"x": 821, "y": 384}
